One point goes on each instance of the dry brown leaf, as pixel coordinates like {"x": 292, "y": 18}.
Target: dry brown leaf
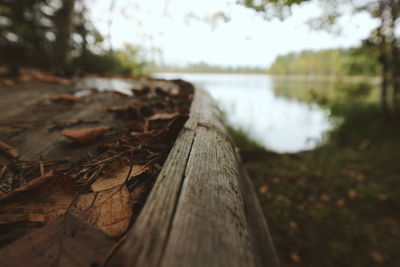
{"x": 64, "y": 241}
{"x": 87, "y": 135}
{"x": 340, "y": 202}
{"x": 31, "y": 185}
{"x": 382, "y": 197}
{"x": 136, "y": 126}
{"x": 377, "y": 256}
{"x": 42, "y": 199}
{"x": 110, "y": 210}
{"x": 325, "y": 197}
{"x": 163, "y": 116}
{"x": 24, "y": 78}
{"x": 276, "y": 180}
{"x": 139, "y": 133}
{"x": 8, "y": 82}
{"x": 113, "y": 108}
{"x": 119, "y": 178}
{"x": 352, "y": 194}
{"x": 295, "y": 257}
{"x": 52, "y": 195}
{"x": 9, "y": 150}
{"x": 48, "y": 78}
{"x": 293, "y": 224}
{"x": 263, "y": 189}
{"x": 65, "y": 97}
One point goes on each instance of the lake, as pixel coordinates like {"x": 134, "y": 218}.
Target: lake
{"x": 252, "y": 102}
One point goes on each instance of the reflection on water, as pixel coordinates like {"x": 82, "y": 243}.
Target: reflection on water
{"x": 280, "y": 122}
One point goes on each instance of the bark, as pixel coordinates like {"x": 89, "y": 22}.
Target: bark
{"x": 394, "y": 72}
{"x": 64, "y": 28}
{"x": 384, "y": 83}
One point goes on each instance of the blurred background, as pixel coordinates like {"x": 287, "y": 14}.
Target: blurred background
{"x": 309, "y": 90}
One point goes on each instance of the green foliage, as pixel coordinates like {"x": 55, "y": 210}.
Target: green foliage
{"x": 266, "y": 5}
{"x": 125, "y": 61}
{"x": 324, "y": 62}
{"x": 353, "y": 91}
{"x": 203, "y": 67}
{"x": 353, "y": 61}
{"x": 242, "y": 139}
{"x": 363, "y": 60}
{"x": 129, "y": 61}
{"x": 335, "y": 205}
{"x": 28, "y": 38}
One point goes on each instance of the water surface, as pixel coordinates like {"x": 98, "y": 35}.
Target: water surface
{"x": 279, "y": 122}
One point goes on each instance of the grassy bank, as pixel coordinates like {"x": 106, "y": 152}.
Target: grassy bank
{"x": 337, "y": 205}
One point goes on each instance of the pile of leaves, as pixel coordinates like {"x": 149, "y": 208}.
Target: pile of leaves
{"x": 71, "y": 213}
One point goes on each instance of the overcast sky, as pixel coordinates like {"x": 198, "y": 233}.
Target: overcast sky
{"x": 184, "y": 31}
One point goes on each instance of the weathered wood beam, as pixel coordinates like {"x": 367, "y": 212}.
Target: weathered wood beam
{"x": 203, "y": 210}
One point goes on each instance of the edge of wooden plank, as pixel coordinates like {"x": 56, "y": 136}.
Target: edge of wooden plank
{"x": 150, "y": 237}
{"x": 146, "y": 239}
{"x": 257, "y": 222}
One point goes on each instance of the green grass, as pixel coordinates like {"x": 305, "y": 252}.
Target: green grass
{"x": 337, "y": 205}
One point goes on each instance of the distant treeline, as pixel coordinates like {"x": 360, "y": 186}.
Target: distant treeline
{"x": 207, "y": 68}
{"x": 354, "y": 61}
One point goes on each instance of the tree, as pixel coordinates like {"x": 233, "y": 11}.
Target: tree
{"x": 384, "y": 37}
{"x": 64, "y": 22}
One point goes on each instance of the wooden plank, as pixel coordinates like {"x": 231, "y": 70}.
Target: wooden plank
{"x": 261, "y": 236}
{"x": 146, "y": 240}
{"x": 209, "y": 227}
{"x": 198, "y": 213}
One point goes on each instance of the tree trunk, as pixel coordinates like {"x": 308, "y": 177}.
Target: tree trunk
{"x": 384, "y": 83}
{"x": 393, "y": 50}
{"x": 64, "y": 28}
{"x": 383, "y": 55}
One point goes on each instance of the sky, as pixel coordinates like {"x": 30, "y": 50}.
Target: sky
{"x": 178, "y": 32}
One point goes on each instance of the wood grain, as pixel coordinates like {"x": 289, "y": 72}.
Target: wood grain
{"x": 201, "y": 211}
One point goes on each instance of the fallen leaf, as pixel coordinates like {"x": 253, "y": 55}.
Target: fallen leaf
{"x": 42, "y": 199}
{"x": 113, "y": 108}
{"x": 377, "y": 256}
{"x": 31, "y": 185}
{"x": 138, "y": 193}
{"x": 65, "y": 241}
{"x": 136, "y": 126}
{"x": 119, "y": 178}
{"x": 276, "y": 180}
{"x": 8, "y": 82}
{"x": 24, "y": 78}
{"x": 65, "y": 97}
{"x": 352, "y": 194}
{"x": 325, "y": 197}
{"x": 293, "y": 225}
{"x": 382, "y": 197}
{"x": 9, "y": 150}
{"x": 295, "y": 257}
{"x": 87, "y": 135}
{"x": 263, "y": 189}
{"x": 139, "y": 133}
{"x": 48, "y": 78}
{"x": 122, "y": 94}
{"x": 163, "y": 116}
{"x": 340, "y": 202}
{"x": 110, "y": 210}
